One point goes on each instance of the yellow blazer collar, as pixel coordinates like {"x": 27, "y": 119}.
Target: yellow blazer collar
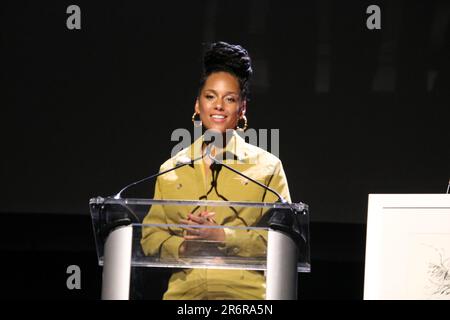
{"x": 236, "y": 147}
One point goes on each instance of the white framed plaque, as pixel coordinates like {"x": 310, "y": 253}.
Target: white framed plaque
{"x": 408, "y": 247}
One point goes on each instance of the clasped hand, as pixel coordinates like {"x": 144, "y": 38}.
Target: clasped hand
{"x": 204, "y": 218}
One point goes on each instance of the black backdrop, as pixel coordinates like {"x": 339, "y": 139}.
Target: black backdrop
{"x": 359, "y": 111}
{"x": 84, "y": 112}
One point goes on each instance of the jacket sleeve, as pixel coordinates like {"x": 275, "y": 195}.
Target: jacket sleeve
{"x": 278, "y": 182}
{"x": 253, "y": 243}
{"x": 159, "y": 241}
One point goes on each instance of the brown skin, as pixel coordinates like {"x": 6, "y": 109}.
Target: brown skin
{"x": 220, "y": 95}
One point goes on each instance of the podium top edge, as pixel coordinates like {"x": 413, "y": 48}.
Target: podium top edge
{"x": 213, "y": 203}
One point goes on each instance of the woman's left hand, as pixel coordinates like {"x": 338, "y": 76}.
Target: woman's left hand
{"x": 204, "y": 218}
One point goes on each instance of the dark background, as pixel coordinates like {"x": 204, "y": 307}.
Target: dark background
{"x": 84, "y": 112}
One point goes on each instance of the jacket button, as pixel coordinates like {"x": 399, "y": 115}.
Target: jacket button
{"x": 179, "y": 186}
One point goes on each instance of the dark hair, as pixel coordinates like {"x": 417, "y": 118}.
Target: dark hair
{"x": 222, "y": 56}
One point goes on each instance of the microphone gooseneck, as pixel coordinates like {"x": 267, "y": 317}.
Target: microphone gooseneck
{"x": 220, "y": 163}
{"x": 183, "y": 163}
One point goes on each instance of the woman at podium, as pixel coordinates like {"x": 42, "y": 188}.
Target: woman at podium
{"x": 220, "y": 107}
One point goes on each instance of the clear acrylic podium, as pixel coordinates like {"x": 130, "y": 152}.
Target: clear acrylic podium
{"x": 277, "y": 243}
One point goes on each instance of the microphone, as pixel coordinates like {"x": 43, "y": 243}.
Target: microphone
{"x": 180, "y": 163}
{"x": 286, "y": 220}
{"x": 218, "y": 164}
{"x": 448, "y": 186}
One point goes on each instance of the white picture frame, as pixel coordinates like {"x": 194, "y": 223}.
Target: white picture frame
{"x": 407, "y": 247}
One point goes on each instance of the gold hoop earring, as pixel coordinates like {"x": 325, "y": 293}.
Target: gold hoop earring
{"x": 197, "y": 123}
{"x": 245, "y": 124}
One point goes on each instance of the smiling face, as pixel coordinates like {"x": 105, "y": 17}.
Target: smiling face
{"x": 219, "y": 103}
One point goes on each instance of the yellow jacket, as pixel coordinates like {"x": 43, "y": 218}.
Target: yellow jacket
{"x": 191, "y": 183}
